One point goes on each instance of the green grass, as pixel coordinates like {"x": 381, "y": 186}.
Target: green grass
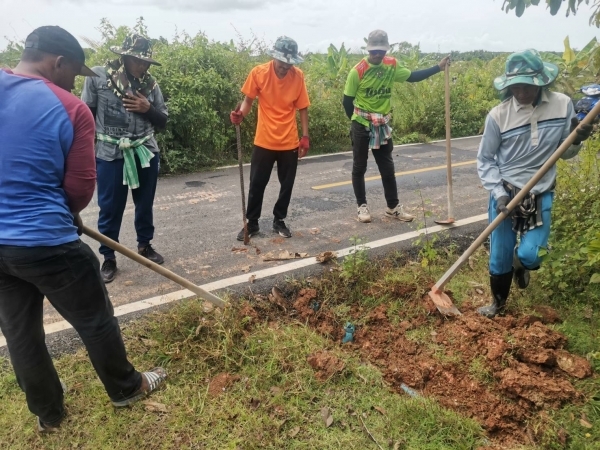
{"x": 277, "y": 400}
{"x": 277, "y": 393}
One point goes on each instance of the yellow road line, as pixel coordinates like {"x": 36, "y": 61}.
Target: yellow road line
{"x": 398, "y": 174}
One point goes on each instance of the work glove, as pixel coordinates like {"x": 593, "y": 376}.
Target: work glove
{"x": 78, "y": 223}
{"x": 501, "y": 204}
{"x": 303, "y": 147}
{"x": 236, "y": 117}
{"x": 584, "y": 131}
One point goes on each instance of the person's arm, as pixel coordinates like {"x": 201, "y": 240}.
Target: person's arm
{"x": 157, "y": 113}
{"x": 89, "y": 95}
{"x": 79, "y": 181}
{"x": 304, "y": 121}
{"x": 420, "y": 75}
{"x": 350, "y": 90}
{"x": 569, "y": 126}
{"x": 348, "y": 103}
{"x": 487, "y": 165}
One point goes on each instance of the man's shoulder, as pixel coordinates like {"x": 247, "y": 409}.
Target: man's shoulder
{"x": 262, "y": 69}
{"x": 100, "y": 71}
{"x": 557, "y": 98}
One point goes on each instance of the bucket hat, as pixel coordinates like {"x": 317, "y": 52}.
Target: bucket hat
{"x": 378, "y": 40}
{"x": 137, "y": 46}
{"x": 285, "y": 50}
{"x": 526, "y": 67}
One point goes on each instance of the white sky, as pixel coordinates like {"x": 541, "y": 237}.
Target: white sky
{"x": 438, "y": 25}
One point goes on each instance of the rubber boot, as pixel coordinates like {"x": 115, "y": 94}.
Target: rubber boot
{"x": 500, "y": 285}
{"x": 521, "y": 272}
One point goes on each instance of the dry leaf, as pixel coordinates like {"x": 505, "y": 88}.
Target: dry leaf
{"x": 380, "y": 410}
{"x": 128, "y": 283}
{"x": 294, "y": 432}
{"x": 258, "y": 251}
{"x": 327, "y": 418}
{"x": 479, "y": 291}
{"x": 239, "y": 249}
{"x": 252, "y": 278}
{"x": 278, "y": 294}
{"x": 246, "y": 269}
{"x": 585, "y": 423}
{"x": 326, "y": 256}
{"x": 155, "y": 407}
{"x": 254, "y": 403}
{"x": 208, "y": 307}
{"x": 335, "y": 240}
{"x": 471, "y": 264}
{"x": 314, "y": 231}
{"x": 283, "y": 255}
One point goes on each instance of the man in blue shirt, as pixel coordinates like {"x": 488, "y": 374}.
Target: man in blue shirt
{"x": 520, "y": 136}
{"x": 48, "y": 177}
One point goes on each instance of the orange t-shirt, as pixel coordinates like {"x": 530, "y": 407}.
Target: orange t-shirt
{"x": 278, "y": 100}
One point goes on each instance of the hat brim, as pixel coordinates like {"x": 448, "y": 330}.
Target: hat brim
{"x": 542, "y": 79}
{"x": 87, "y": 72}
{"x": 120, "y": 52}
{"x": 286, "y": 59}
{"x": 382, "y": 48}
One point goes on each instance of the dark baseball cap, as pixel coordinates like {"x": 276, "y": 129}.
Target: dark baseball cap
{"x": 57, "y": 41}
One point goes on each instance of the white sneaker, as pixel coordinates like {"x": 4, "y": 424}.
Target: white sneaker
{"x": 363, "y": 213}
{"x": 398, "y": 213}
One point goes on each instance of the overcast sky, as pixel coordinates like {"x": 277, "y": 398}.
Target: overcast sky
{"x": 438, "y": 25}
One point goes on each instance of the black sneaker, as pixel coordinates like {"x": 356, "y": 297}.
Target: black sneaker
{"x": 149, "y": 253}
{"x": 279, "y": 227}
{"x": 253, "y": 230}
{"x": 109, "y": 270}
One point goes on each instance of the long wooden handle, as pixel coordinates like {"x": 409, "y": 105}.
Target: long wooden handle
{"x": 153, "y": 266}
{"x": 449, "y": 146}
{"x": 516, "y": 200}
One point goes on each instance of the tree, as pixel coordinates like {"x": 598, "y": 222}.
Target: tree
{"x": 554, "y": 6}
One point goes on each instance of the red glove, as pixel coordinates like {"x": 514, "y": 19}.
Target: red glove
{"x": 303, "y": 147}
{"x": 236, "y": 117}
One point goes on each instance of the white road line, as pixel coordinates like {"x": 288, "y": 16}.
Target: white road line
{"x": 324, "y": 155}
{"x": 232, "y": 281}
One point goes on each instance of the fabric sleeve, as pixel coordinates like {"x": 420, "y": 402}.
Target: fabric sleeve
{"x": 80, "y": 165}
{"x": 302, "y": 101}
{"x": 352, "y": 83}
{"x": 573, "y": 150}
{"x": 89, "y": 94}
{"x": 487, "y": 165}
{"x": 157, "y": 114}
{"x": 348, "y": 103}
{"x": 402, "y": 74}
{"x": 251, "y": 88}
{"x": 420, "y": 75}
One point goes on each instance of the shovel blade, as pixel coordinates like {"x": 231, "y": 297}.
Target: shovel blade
{"x": 448, "y": 221}
{"x": 443, "y": 303}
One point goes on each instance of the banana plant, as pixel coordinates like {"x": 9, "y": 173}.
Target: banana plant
{"x": 337, "y": 60}
{"x": 578, "y": 68}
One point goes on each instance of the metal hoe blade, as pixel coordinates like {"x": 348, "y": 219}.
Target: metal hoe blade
{"x": 443, "y": 303}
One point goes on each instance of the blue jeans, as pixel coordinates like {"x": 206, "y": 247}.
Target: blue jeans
{"x": 112, "y": 198}
{"x": 504, "y": 239}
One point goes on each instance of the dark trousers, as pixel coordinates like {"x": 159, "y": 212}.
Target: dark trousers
{"x": 385, "y": 163}
{"x": 69, "y": 276}
{"x": 112, "y": 198}
{"x": 261, "y": 167}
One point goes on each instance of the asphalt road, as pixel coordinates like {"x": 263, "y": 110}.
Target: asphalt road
{"x": 198, "y": 216}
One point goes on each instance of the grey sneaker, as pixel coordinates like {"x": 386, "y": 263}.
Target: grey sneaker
{"x": 364, "y": 215}
{"x": 398, "y": 213}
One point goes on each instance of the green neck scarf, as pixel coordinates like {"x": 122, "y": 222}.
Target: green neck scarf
{"x": 118, "y": 81}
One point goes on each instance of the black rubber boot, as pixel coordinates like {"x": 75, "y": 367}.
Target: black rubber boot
{"x": 500, "y": 285}
{"x": 521, "y": 272}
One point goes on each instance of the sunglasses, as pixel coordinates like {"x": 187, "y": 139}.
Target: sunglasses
{"x": 377, "y": 52}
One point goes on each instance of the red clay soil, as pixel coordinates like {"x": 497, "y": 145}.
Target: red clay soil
{"x": 500, "y": 372}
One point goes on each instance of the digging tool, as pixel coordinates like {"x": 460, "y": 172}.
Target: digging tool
{"x": 155, "y": 267}
{"x": 440, "y": 299}
{"x": 450, "y": 218}
{"x": 238, "y": 135}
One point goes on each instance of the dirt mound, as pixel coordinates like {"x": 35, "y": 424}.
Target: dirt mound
{"x": 325, "y": 364}
{"x": 220, "y": 383}
{"x": 500, "y": 372}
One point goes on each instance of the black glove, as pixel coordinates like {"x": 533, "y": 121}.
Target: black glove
{"x": 583, "y": 131}
{"x": 501, "y": 205}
